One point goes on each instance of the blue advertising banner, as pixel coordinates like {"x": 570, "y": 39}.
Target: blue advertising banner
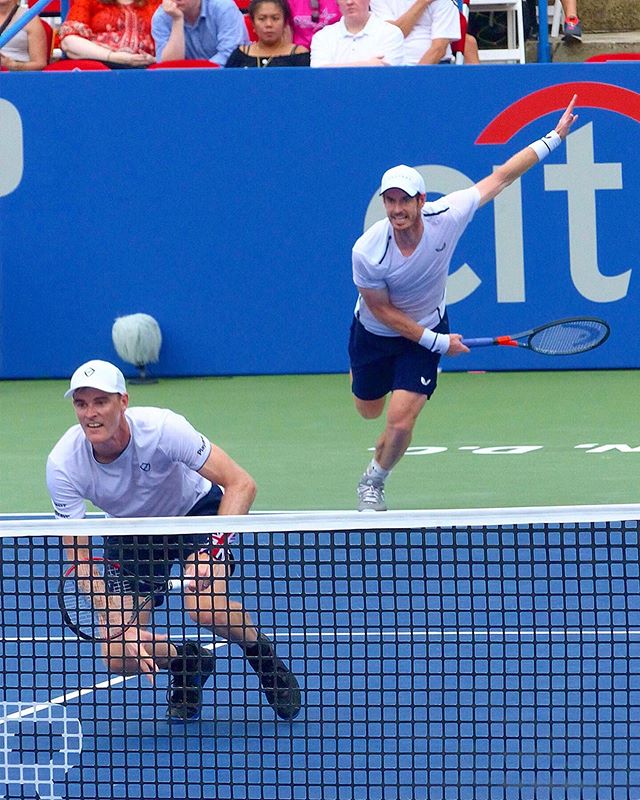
{"x": 225, "y": 204}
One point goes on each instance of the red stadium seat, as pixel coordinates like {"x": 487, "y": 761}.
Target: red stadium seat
{"x": 53, "y": 10}
{"x": 76, "y": 65}
{"x": 185, "y": 63}
{"x": 250, "y": 29}
{"x": 613, "y": 57}
{"x": 457, "y": 48}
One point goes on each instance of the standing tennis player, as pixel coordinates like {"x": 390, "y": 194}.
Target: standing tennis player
{"x": 150, "y": 462}
{"x": 400, "y": 328}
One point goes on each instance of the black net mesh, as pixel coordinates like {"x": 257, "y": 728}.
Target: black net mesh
{"x": 497, "y": 662}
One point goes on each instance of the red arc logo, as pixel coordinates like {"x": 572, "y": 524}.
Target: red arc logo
{"x": 555, "y": 98}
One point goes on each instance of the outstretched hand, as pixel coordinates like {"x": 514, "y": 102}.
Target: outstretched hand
{"x": 567, "y": 119}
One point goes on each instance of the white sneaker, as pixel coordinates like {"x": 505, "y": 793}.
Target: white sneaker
{"x": 371, "y": 495}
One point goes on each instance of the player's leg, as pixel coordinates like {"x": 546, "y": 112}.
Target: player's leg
{"x": 372, "y": 373}
{"x": 402, "y": 413}
{"x": 138, "y": 651}
{"x": 211, "y": 607}
{"x": 144, "y": 565}
{"x": 414, "y": 381}
{"x": 369, "y": 409}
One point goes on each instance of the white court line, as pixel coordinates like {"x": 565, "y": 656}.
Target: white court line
{"x": 334, "y": 635}
{"x": 67, "y": 696}
{"x": 391, "y": 634}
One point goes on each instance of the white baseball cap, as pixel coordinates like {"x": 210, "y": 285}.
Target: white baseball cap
{"x": 403, "y": 177}
{"x": 97, "y": 374}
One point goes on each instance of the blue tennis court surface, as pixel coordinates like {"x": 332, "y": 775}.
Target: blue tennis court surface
{"x": 452, "y": 664}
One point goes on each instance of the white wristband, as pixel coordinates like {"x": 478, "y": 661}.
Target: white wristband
{"x": 542, "y": 147}
{"x": 436, "y": 342}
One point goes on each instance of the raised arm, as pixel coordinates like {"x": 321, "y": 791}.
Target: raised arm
{"x": 504, "y": 175}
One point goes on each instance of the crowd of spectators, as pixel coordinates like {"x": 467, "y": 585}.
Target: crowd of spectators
{"x": 274, "y": 33}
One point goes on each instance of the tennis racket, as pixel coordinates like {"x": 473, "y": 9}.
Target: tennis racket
{"x": 99, "y": 603}
{"x": 563, "y": 337}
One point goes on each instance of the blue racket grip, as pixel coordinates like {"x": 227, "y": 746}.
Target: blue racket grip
{"x": 483, "y": 341}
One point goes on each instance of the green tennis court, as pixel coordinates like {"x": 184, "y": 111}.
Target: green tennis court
{"x": 485, "y": 440}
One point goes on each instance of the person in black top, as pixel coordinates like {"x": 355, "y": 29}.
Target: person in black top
{"x": 271, "y": 20}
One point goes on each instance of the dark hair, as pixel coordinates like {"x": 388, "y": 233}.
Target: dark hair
{"x": 283, "y": 5}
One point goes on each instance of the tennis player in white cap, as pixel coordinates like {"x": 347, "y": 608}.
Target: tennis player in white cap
{"x": 400, "y": 327}
{"x": 151, "y": 462}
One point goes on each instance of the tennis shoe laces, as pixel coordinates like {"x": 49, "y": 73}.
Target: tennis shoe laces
{"x": 572, "y": 30}
{"x": 189, "y": 671}
{"x": 371, "y": 495}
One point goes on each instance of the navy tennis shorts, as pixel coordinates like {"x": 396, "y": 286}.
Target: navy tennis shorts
{"x": 147, "y": 561}
{"x": 381, "y": 364}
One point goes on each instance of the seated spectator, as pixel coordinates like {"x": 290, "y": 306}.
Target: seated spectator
{"x": 207, "y": 29}
{"x": 271, "y": 20}
{"x": 429, "y": 27}
{"x": 310, "y": 16}
{"x": 572, "y": 26}
{"x": 27, "y": 50}
{"x": 117, "y": 32}
{"x": 359, "y": 39}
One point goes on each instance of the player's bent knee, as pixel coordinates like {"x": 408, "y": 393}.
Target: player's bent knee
{"x": 369, "y": 409}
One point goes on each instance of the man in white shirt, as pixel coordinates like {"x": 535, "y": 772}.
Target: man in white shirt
{"x": 400, "y": 328}
{"x": 358, "y": 39}
{"x": 150, "y": 462}
{"x": 429, "y": 27}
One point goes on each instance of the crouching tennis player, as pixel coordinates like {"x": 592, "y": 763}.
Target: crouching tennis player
{"x": 150, "y": 462}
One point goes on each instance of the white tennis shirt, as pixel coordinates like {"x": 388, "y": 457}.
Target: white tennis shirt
{"x": 334, "y": 44}
{"x": 155, "y": 476}
{"x": 417, "y": 283}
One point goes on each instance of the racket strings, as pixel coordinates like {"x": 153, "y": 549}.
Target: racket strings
{"x": 101, "y": 604}
{"x": 567, "y": 338}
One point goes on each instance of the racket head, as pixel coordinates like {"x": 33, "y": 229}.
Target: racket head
{"x": 568, "y": 337}
{"x": 98, "y": 602}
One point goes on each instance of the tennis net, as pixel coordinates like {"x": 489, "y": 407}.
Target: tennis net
{"x": 470, "y": 655}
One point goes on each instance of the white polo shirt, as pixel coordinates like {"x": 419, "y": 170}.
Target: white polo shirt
{"x": 334, "y": 44}
{"x": 440, "y": 20}
{"x": 155, "y": 476}
{"x": 417, "y": 283}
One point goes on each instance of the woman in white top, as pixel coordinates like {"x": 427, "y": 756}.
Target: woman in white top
{"x": 27, "y": 50}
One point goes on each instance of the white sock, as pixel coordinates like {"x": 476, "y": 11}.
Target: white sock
{"x": 374, "y": 470}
